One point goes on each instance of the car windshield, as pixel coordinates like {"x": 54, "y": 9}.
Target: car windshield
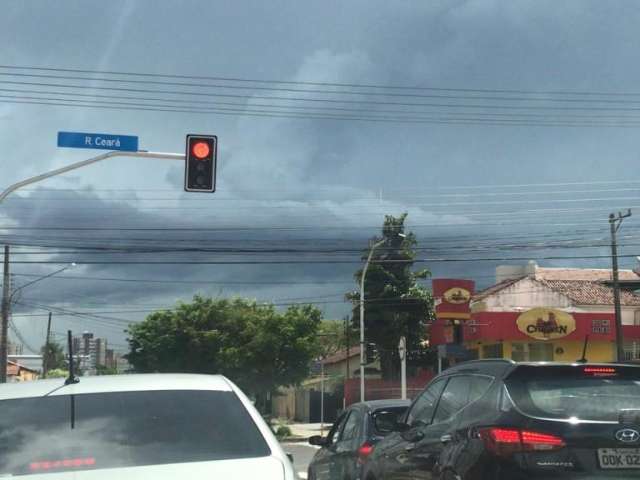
{"x": 571, "y": 394}
{"x": 126, "y": 429}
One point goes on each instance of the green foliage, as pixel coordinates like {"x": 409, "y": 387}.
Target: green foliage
{"x": 282, "y": 432}
{"x": 54, "y": 356}
{"x": 254, "y": 345}
{"x": 395, "y": 304}
{"x": 102, "y": 370}
{"x": 58, "y": 373}
{"x": 332, "y": 337}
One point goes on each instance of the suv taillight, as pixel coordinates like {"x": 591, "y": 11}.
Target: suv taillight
{"x": 364, "y": 451}
{"x": 507, "y": 441}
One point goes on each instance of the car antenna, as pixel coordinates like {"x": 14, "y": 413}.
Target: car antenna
{"x": 584, "y": 350}
{"x": 72, "y": 376}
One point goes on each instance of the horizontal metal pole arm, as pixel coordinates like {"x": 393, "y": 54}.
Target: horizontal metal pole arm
{"x": 84, "y": 163}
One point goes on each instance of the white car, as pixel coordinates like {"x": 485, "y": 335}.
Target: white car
{"x": 142, "y": 427}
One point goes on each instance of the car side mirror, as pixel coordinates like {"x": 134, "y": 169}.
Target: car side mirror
{"x": 318, "y": 441}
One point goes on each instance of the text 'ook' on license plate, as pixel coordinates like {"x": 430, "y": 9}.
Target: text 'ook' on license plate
{"x": 619, "y": 457}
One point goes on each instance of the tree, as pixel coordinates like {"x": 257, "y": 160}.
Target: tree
{"x": 53, "y": 356}
{"x": 395, "y": 304}
{"x": 102, "y": 370}
{"x": 58, "y": 373}
{"x": 333, "y": 337}
{"x": 254, "y": 345}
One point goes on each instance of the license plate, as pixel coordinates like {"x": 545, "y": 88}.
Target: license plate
{"x": 611, "y": 458}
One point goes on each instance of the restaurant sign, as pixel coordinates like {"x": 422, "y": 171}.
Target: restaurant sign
{"x": 546, "y": 323}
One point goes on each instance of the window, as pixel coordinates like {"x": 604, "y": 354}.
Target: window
{"x": 532, "y": 352}
{"x": 519, "y": 352}
{"x": 564, "y": 392}
{"x": 334, "y": 433}
{"x": 125, "y": 429}
{"x": 492, "y": 351}
{"x": 478, "y": 386}
{"x": 351, "y": 428}
{"x": 541, "y": 352}
{"x": 454, "y": 398}
{"x": 422, "y": 409}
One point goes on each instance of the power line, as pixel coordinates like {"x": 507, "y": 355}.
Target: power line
{"x": 308, "y": 116}
{"x": 289, "y": 82}
{"x": 311, "y": 262}
{"x": 320, "y": 100}
{"x": 535, "y": 97}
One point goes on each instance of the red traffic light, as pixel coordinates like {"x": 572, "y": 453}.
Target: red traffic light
{"x": 201, "y": 150}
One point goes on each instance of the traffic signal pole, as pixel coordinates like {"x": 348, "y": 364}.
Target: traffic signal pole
{"x": 6, "y": 291}
{"x": 85, "y": 163}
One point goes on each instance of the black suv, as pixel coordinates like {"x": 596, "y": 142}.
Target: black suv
{"x": 352, "y": 437}
{"x": 497, "y": 419}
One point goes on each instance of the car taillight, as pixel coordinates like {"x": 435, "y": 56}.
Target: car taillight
{"x": 66, "y": 463}
{"x": 364, "y": 451}
{"x": 600, "y": 371}
{"x": 507, "y": 441}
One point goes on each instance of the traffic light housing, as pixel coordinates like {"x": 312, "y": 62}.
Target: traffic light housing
{"x": 200, "y": 166}
{"x": 371, "y": 353}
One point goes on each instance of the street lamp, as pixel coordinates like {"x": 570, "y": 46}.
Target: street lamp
{"x": 71, "y": 265}
{"x": 362, "y": 278}
{"x": 7, "y": 299}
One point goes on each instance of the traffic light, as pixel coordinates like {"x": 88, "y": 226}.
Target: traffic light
{"x": 200, "y": 168}
{"x": 371, "y": 353}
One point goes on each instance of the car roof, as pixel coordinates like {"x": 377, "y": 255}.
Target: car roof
{"x": 374, "y": 405}
{"x": 501, "y": 367}
{"x": 115, "y": 383}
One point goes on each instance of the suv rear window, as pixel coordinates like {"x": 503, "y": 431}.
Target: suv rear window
{"x": 601, "y": 393}
{"x": 124, "y": 429}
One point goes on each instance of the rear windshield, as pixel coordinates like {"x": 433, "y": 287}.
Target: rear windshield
{"x": 582, "y": 392}
{"x": 93, "y": 431}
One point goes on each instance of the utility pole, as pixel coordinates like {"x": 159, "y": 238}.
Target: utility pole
{"x": 346, "y": 376}
{"x": 4, "y": 329}
{"x": 45, "y": 357}
{"x": 615, "y": 222}
{"x": 402, "y": 350}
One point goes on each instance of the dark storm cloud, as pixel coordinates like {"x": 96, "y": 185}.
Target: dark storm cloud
{"x": 313, "y": 174}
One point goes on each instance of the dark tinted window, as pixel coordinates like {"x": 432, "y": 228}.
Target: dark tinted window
{"x": 124, "y": 429}
{"x": 351, "y": 428}
{"x": 396, "y": 412}
{"x": 454, "y": 398}
{"x": 334, "y": 433}
{"x": 422, "y": 409}
{"x": 478, "y": 386}
{"x": 586, "y": 393}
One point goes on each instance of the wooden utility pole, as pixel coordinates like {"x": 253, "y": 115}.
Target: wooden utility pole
{"x": 45, "y": 357}
{"x": 615, "y": 222}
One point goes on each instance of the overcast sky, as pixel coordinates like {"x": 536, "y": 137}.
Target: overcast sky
{"x": 474, "y": 189}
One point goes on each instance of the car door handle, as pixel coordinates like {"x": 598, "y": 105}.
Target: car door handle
{"x": 446, "y": 438}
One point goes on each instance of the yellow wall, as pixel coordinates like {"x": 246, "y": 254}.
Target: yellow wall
{"x": 603, "y": 351}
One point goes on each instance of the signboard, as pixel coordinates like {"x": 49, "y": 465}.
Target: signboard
{"x": 601, "y": 326}
{"x": 546, "y": 323}
{"x": 457, "y": 295}
{"x": 100, "y": 141}
{"x": 452, "y": 298}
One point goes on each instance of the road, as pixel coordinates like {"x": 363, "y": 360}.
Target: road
{"x": 302, "y": 454}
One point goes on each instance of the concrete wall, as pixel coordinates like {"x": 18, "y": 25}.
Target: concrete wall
{"x": 522, "y": 295}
